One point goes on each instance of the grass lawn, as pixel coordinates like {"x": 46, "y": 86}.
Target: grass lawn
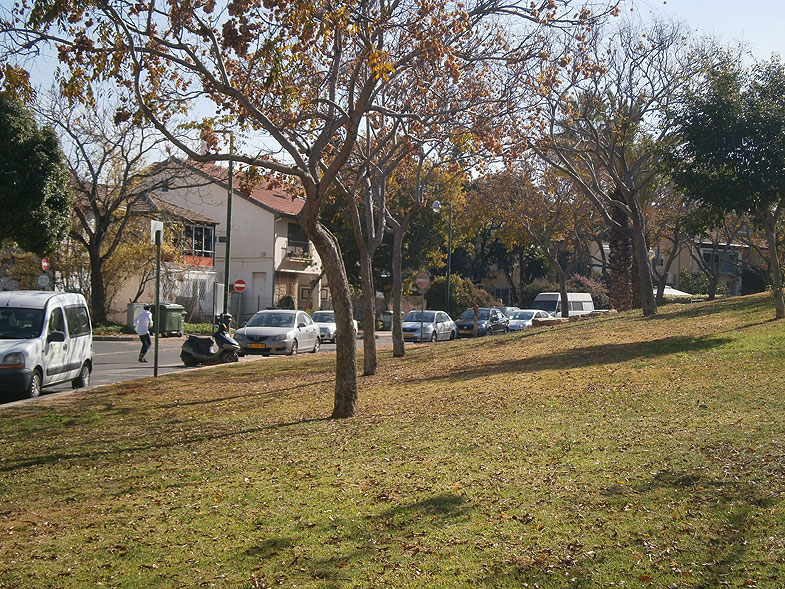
{"x": 619, "y": 451}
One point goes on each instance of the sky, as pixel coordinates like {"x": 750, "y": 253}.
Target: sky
{"x": 757, "y": 23}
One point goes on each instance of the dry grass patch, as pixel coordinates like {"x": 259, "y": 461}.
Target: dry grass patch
{"x": 647, "y": 452}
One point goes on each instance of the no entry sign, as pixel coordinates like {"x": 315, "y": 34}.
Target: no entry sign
{"x": 239, "y": 285}
{"x": 423, "y": 280}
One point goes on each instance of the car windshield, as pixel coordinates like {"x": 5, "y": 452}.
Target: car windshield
{"x": 20, "y": 323}
{"x": 522, "y": 315}
{"x": 323, "y": 317}
{"x": 547, "y": 306}
{"x": 427, "y": 316}
{"x": 469, "y": 314}
{"x": 271, "y": 320}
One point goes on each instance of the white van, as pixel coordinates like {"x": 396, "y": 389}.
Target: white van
{"x": 581, "y": 303}
{"x": 45, "y": 339}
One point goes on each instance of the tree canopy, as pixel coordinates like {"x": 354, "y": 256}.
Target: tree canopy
{"x": 732, "y": 154}
{"x": 35, "y": 195}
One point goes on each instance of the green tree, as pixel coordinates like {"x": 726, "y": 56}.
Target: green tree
{"x": 732, "y": 154}
{"x": 34, "y": 184}
{"x": 463, "y": 294}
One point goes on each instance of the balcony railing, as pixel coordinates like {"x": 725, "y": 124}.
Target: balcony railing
{"x": 298, "y": 252}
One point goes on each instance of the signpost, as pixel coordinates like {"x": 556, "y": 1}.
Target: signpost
{"x": 156, "y": 235}
{"x": 422, "y": 280}
{"x": 239, "y": 285}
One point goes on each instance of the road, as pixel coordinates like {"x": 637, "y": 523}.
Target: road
{"x": 116, "y": 361}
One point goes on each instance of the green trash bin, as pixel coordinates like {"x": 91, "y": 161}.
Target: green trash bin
{"x": 171, "y": 320}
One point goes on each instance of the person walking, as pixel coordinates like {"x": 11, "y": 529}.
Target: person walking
{"x": 143, "y": 324}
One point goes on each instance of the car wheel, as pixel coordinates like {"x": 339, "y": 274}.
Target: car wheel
{"x": 229, "y": 356}
{"x": 316, "y": 345}
{"x": 433, "y": 336}
{"x": 293, "y": 351}
{"x": 188, "y": 360}
{"x": 83, "y": 380}
{"x": 266, "y": 354}
{"x": 34, "y": 388}
{"x": 452, "y": 335}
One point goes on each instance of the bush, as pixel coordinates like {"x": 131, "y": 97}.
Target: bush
{"x": 463, "y": 294}
{"x": 592, "y": 285}
{"x": 285, "y": 302}
{"x": 112, "y": 329}
{"x": 698, "y": 283}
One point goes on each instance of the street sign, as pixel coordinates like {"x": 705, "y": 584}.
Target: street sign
{"x": 155, "y": 227}
{"x": 423, "y": 280}
{"x": 45, "y": 264}
{"x": 239, "y": 285}
{"x": 43, "y": 280}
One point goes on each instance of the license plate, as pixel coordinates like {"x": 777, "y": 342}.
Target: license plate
{"x": 257, "y": 345}
{"x": 409, "y": 336}
{"x": 465, "y": 332}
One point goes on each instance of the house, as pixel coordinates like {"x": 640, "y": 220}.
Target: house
{"x": 269, "y": 250}
{"x": 186, "y": 278}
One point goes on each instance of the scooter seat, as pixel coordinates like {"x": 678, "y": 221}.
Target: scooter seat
{"x": 202, "y": 344}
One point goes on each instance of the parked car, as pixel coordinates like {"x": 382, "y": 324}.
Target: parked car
{"x": 278, "y": 331}
{"x": 580, "y": 303}
{"x": 45, "y": 339}
{"x": 522, "y": 319}
{"x": 428, "y": 326}
{"x": 509, "y": 310}
{"x": 489, "y": 321}
{"x": 325, "y": 321}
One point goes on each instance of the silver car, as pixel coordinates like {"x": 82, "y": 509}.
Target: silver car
{"x": 522, "y": 319}
{"x": 278, "y": 332}
{"x": 325, "y": 321}
{"x": 435, "y": 325}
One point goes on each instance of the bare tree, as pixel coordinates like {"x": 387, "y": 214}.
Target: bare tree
{"x": 112, "y": 178}
{"x": 607, "y": 126}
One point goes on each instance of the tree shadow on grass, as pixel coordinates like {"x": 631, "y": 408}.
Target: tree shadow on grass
{"x": 733, "y": 507}
{"x": 583, "y": 357}
{"x": 367, "y": 537}
{"x": 204, "y": 436}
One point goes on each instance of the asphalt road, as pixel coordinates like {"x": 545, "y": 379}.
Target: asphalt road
{"x": 116, "y": 361}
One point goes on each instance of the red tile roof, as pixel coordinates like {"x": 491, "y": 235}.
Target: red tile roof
{"x": 276, "y": 200}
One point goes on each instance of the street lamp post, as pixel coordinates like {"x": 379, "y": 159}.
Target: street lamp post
{"x": 228, "y": 226}
{"x": 437, "y": 206}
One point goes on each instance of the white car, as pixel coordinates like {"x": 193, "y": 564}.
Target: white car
{"x": 522, "y": 319}
{"x": 278, "y": 331}
{"x": 435, "y": 325}
{"x": 325, "y": 321}
{"x": 45, "y": 338}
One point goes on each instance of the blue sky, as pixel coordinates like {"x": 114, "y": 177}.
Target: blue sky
{"x": 758, "y": 23}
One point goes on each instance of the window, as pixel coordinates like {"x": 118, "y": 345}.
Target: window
{"x": 576, "y": 306}
{"x": 78, "y": 321}
{"x": 199, "y": 240}
{"x": 56, "y": 322}
{"x": 297, "y": 237}
{"x": 722, "y": 262}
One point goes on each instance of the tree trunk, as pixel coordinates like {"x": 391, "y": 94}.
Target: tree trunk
{"x": 97, "y": 290}
{"x": 774, "y": 267}
{"x": 620, "y": 262}
{"x": 565, "y": 299}
{"x": 345, "y": 401}
{"x": 641, "y": 252}
{"x": 369, "y": 314}
{"x": 397, "y": 288}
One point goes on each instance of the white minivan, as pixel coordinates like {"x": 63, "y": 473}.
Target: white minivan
{"x": 580, "y": 303}
{"x": 45, "y": 339}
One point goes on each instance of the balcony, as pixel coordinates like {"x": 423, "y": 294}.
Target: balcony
{"x": 298, "y": 252}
